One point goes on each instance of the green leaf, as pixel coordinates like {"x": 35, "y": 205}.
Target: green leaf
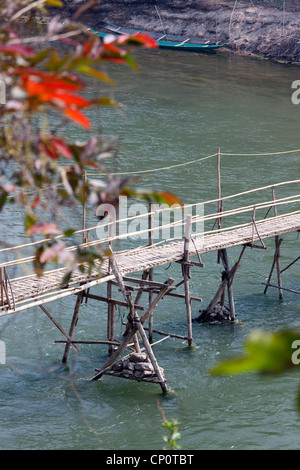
{"x": 105, "y": 101}
{"x": 66, "y": 279}
{"x": 3, "y": 199}
{"x": 30, "y": 221}
{"x": 54, "y": 3}
{"x": 265, "y": 352}
{"x": 130, "y": 61}
{"x": 56, "y": 64}
{"x": 95, "y": 73}
{"x": 69, "y": 232}
{"x": 37, "y": 265}
{"x": 39, "y": 57}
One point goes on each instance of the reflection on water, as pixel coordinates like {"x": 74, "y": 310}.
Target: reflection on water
{"x": 177, "y": 108}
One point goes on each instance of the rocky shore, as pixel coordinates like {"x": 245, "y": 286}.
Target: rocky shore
{"x": 268, "y": 29}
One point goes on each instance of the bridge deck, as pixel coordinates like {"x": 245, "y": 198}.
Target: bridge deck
{"x": 135, "y": 260}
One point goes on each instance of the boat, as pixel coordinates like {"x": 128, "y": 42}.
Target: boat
{"x": 165, "y": 41}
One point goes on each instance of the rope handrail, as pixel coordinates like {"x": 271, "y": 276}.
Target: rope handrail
{"x": 271, "y": 203}
{"x": 165, "y": 168}
{"x": 152, "y": 213}
{"x": 155, "y": 169}
{"x": 259, "y": 154}
{"x": 152, "y": 170}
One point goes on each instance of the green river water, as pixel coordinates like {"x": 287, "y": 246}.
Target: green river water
{"x": 178, "y": 108}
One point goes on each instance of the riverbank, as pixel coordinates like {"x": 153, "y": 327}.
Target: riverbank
{"x": 245, "y": 26}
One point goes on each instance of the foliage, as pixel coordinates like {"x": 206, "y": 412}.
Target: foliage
{"x": 173, "y": 434}
{"x": 172, "y": 428}
{"x": 266, "y": 353}
{"x": 44, "y": 80}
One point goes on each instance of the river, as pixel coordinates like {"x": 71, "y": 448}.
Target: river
{"x": 178, "y": 108}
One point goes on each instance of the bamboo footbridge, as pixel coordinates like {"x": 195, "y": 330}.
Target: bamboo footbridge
{"x": 239, "y": 226}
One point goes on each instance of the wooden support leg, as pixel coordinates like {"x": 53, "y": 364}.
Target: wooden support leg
{"x": 111, "y": 326}
{"x": 150, "y": 224}
{"x": 59, "y": 327}
{"x": 275, "y": 262}
{"x": 229, "y": 285}
{"x": 111, "y": 309}
{"x": 151, "y": 316}
{"x": 278, "y": 266}
{"x": 227, "y": 281}
{"x": 152, "y": 357}
{"x": 1, "y": 288}
{"x": 186, "y": 277}
{"x": 73, "y": 324}
{"x": 128, "y": 298}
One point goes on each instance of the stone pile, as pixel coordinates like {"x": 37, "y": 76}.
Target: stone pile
{"x": 136, "y": 366}
{"x": 219, "y": 313}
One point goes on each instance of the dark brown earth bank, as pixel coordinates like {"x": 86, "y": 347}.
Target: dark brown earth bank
{"x": 265, "y": 28}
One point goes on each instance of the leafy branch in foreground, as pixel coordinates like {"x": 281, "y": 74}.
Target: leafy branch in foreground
{"x": 172, "y": 429}
{"x": 46, "y": 91}
{"x": 266, "y": 353}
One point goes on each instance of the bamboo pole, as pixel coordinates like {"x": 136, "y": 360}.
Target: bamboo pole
{"x": 111, "y": 308}
{"x": 277, "y": 246}
{"x": 1, "y": 286}
{"x": 137, "y": 299}
{"x": 169, "y": 335}
{"x": 73, "y": 324}
{"x": 110, "y": 316}
{"x": 291, "y": 264}
{"x": 186, "y": 275}
{"x": 73, "y": 342}
{"x": 219, "y": 195}
{"x": 229, "y": 286}
{"x": 127, "y": 296}
{"x": 283, "y": 288}
{"x": 69, "y": 339}
{"x": 150, "y": 221}
{"x": 151, "y": 355}
{"x": 5, "y": 290}
{"x": 84, "y": 234}
{"x": 112, "y": 301}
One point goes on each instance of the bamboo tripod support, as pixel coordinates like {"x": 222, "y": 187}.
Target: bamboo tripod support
{"x": 136, "y": 324}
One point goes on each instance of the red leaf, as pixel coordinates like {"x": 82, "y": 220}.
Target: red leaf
{"x": 169, "y": 198}
{"x": 46, "y": 228}
{"x": 61, "y": 147}
{"x": 48, "y": 149}
{"x": 18, "y": 49}
{"x": 111, "y": 58}
{"x": 77, "y": 117}
{"x": 52, "y": 252}
{"x": 146, "y": 39}
{"x": 110, "y": 47}
{"x": 143, "y": 39}
{"x": 35, "y": 202}
{"x": 34, "y": 87}
{"x": 87, "y": 48}
{"x": 92, "y": 164}
{"x": 69, "y": 99}
{"x": 67, "y": 82}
